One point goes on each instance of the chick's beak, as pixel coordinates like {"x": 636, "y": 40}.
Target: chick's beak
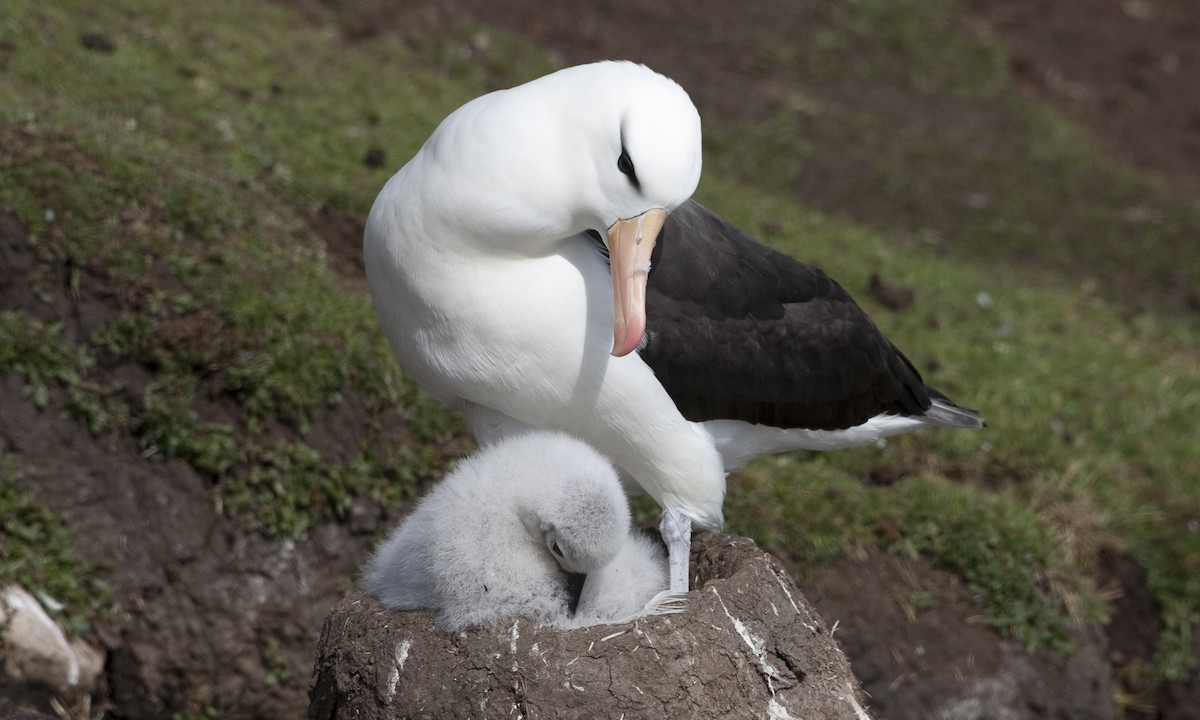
{"x": 630, "y": 243}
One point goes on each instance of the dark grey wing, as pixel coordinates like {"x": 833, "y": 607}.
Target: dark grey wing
{"x": 741, "y": 331}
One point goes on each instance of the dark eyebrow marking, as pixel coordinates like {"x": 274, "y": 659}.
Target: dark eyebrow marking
{"x": 625, "y": 164}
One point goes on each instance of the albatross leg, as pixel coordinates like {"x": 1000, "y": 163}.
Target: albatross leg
{"x": 676, "y": 531}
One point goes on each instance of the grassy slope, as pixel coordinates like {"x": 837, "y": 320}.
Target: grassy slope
{"x": 191, "y": 158}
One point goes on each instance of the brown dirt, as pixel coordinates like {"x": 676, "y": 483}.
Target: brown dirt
{"x": 207, "y": 611}
{"x": 919, "y": 645}
{"x": 747, "y": 646}
{"x": 1126, "y": 70}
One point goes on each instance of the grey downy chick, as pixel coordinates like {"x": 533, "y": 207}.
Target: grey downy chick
{"x": 499, "y": 535}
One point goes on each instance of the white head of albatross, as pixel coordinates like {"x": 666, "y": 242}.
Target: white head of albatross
{"x": 508, "y": 263}
{"x": 609, "y": 148}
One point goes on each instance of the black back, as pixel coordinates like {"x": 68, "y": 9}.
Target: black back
{"x": 738, "y": 330}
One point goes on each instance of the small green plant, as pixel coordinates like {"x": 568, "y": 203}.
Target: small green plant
{"x": 99, "y": 408}
{"x": 36, "y": 553}
{"x": 287, "y": 489}
{"x": 40, "y": 354}
{"x": 278, "y": 670}
{"x": 198, "y": 706}
{"x": 168, "y": 426}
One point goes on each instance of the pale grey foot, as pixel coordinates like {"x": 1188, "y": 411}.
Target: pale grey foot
{"x": 676, "y": 531}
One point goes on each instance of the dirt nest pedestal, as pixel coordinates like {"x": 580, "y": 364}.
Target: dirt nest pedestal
{"x": 748, "y": 646}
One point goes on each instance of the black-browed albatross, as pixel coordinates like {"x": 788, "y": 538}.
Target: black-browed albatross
{"x": 508, "y": 261}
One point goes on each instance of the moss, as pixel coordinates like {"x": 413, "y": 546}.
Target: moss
{"x": 290, "y": 486}
{"x": 223, "y": 297}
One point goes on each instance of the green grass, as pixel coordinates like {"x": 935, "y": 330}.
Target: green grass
{"x": 240, "y": 318}
{"x": 1027, "y": 580}
{"x": 910, "y": 110}
{"x": 137, "y": 168}
{"x": 36, "y": 553}
{"x": 185, "y": 167}
{"x": 1087, "y": 413}
{"x": 40, "y": 354}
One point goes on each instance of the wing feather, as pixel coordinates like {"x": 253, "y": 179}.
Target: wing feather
{"x": 738, "y": 330}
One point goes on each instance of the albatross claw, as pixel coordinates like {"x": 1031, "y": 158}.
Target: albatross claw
{"x": 676, "y": 530}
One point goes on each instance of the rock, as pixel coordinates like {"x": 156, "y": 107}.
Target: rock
{"x": 37, "y": 654}
{"x": 748, "y": 646}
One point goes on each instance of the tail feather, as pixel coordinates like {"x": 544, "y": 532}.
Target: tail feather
{"x": 945, "y": 413}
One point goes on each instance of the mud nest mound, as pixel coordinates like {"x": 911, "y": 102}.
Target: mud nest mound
{"x": 748, "y": 646}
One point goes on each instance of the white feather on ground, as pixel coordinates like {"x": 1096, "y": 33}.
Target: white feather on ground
{"x": 497, "y": 537}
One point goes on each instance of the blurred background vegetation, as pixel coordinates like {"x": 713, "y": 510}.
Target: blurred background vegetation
{"x": 198, "y": 173}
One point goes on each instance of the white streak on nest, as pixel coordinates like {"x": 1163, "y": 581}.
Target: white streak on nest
{"x": 400, "y": 657}
{"x": 573, "y": 686}
{"x": 779, "y": 579}
{"x": 402, "y": 653}
{"x": 775, "y": 711}
{"x": 753, "y": 642}
{"x": 512, "y": 645}
{"x": 606, "y": 638}
{"x": 858, "y": 710}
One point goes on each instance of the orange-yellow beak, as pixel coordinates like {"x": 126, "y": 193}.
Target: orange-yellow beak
{"x": 630, "y": 243}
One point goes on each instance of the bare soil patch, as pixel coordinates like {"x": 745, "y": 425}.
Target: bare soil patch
{"x": 208, "y": 612}
{"x": 1129, "y": 71}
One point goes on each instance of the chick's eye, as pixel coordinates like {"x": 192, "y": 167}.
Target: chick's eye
{"x": 556, "y": 550}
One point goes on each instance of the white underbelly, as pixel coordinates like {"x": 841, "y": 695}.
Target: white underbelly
{"x": 530, "y": 341}
{"x": 740, "y": 442}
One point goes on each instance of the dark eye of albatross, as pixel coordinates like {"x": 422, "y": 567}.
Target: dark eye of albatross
{"x": 625, "y": 165}
{"x": 557, "y": 551}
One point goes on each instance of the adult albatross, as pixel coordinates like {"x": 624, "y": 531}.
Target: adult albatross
{"x": 508, "y": 261}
